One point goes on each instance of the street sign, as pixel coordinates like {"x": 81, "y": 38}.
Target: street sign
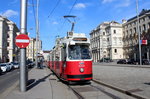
{"x": 22, "y": 40}
{"x": 143, "y": 42}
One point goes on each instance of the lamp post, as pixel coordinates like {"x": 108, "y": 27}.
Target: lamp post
{"x": 37, "y": 33}
{"x": 23, "y": 28}
{"x": 138, "y": 32}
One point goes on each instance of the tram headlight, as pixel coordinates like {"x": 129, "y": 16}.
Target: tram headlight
{"x": 81, "y": 70}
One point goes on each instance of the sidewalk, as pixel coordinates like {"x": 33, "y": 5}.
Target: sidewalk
{"x": 44, "y": 86}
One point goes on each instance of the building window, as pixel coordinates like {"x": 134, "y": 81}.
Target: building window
{"x": 149, "y": 25}
{"x": 134, "y": 30}
{"x": 144, "y": 27}
{"x": 114, "y": 31}
{"x": 115, "y": 50}
{"x": 143, "y": 19}
{"x": 107, "y": 39}
{"x": 140, "y": 28}
{"x": 7, "y": 43}
{"x": 103, "y": 33}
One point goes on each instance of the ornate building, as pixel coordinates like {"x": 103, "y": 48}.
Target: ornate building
{"x": 130, "y": 36}
{"x": 8, "y": 32}
{"x": 106, "y": 41}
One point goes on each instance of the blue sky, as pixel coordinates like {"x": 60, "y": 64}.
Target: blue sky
{"x": 90, "y": 13}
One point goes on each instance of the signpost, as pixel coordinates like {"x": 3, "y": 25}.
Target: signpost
{"x": 22, "y": 41}
{"x": 23, "y": 30}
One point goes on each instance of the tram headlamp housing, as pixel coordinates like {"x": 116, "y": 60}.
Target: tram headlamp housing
{"x": 81, "y": 70}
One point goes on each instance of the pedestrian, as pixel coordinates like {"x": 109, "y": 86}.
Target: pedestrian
{"x": 41, "y": 63}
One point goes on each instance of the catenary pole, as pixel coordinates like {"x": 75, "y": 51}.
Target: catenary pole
{"x": 23, "y": 28}
{"x": 139, "y": 35}
{"x": 37, "y": 32}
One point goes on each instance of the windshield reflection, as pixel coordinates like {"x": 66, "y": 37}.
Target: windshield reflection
{"x": 79, "y": 52}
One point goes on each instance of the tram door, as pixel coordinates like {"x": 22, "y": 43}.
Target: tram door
{"x": 53, "y": 57}
{"x": 57, "y": 62}
{"x": 63, "y": 60}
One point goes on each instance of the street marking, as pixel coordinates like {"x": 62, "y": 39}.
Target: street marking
{"x": 22, "y": 41}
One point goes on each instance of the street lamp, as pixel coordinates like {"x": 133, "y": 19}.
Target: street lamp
{"x": 37, "y": 33}
{"x": 138, "y": 32}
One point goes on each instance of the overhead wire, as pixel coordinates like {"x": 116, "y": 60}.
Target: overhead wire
{"x": 33, "y": 11}
{"x": 72, "y": 6}
{"x": 54, "y": 8}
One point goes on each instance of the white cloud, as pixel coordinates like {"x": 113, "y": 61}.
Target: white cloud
{"x": 54, "y": 22}
{"x": 10, "y": 13}
{"x": 107, "y": 1}
{"x": 79, "y": 6}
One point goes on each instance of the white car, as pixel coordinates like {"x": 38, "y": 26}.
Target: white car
{"x": 10, "y": 65}
{"x": 3, "y": 67}
{"x": 15, "y": 65}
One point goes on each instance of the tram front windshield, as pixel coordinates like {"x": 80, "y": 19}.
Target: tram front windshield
{"x": 79, "y": 52}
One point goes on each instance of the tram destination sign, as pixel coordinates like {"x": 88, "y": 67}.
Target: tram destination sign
{"x": 80, "y": 39}
{"x": 22, "y": 41}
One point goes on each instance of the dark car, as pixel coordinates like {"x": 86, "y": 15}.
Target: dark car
{"x": 1, "y": 71}
{"x": 106, "y": 60}
{"x": 121, "y": 61}
{"x": 145, "y": 62}
{"x": 30, "y": 64}
{"x": 132, "y": 61}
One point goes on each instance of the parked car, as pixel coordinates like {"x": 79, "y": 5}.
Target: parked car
{"x": 1, "y": 71}
{"x": 106, "y": 60}
{"x": 145, "y": 62}
{"x": 3, "y": 67}
{"x": 10, "y": 65}
{"x": 122, "y": 61}
{"x": 30, "y": 64}
{"x": 15, "y": 65}
{"x": 132, "y": 61}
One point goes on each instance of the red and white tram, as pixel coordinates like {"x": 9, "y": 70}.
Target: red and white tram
{"x": 70, "y": 59}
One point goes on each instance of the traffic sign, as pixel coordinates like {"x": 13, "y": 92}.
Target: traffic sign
{"x": 22, "y": 40}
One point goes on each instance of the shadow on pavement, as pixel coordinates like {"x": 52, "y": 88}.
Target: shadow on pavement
{"x": 32, "y": 82}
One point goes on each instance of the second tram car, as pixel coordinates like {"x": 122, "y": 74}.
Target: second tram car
{"x": 70, "y": 59}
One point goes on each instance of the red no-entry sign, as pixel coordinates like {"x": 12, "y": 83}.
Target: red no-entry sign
{"x": 22, "y": 40}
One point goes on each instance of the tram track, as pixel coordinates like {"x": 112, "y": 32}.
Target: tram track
{"x": 97, "y": 88}
{"x": 76, "y": 93}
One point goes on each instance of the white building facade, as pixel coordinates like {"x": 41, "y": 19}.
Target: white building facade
{"x": 130, "y": 36}
{"x": 13, "y": 50}
{"x": 8, "y": 32}
{"x": 106, "y": 41}
{"x": 31, "y": 49}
